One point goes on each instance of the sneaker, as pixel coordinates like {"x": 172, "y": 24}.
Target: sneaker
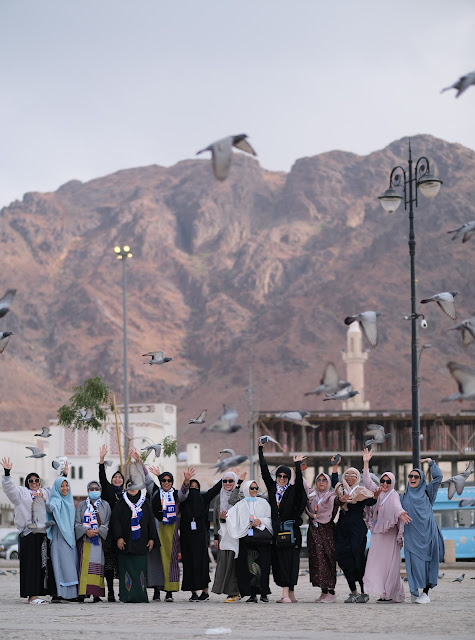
{"x": 264, "y": 599}
{"x": 320, "y": 597}
{"x": 56, "y": 600}
{"x": 384, "y": 600}
{"x": 169, "y": 597}
{"x": 329, "y": 598}
{"x": 414, "y": 598}
{"x": 111, "y": 597}
{"x": 362, "y": 598}
{"x": 252, "y": 599}
{"x": 194, "y": 598}
{"x": 156, "y": 595}
{"x": 422, "y": 599}
{"x": 203, "y": 597}
{"x": 96, "y": 599}
{"x": 351, "y": 598}
{"x": 233, "y": 598}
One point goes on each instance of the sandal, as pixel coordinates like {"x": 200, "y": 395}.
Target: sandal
{"x": 283, "y": 600}
{"x": 37, "y": 601}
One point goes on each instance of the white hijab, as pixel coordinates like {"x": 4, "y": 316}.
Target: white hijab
{"x": 239, "y": 516}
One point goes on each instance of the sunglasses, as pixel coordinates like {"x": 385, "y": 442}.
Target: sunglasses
{"x": 322, "y": 480}
{"x": 350, "y": 475}
{"x": 228, "y": 481}
{"x": 33, "y": 481}
{"x": 382, "y": 481}
{"x": 413, "y": 476}
{"x": 254, "y": 488}
{"x": 166, "y": 480}
{"x": 282, "y": 475}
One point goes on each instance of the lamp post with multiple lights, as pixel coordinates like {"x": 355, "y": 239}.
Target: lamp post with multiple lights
{"x": 123, "y": 253}
{"x": 410, "y": 181}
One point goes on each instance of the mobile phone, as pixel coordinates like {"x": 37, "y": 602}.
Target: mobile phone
{"x": 336, "y": 459}
{"x": 264, "y": 439}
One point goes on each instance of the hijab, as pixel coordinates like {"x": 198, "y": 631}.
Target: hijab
{"x": 279, "y": 491}
{"x": 31, "y": 475}
{"x": 63, "y": 511}
{"x": 118, "y": 489}
{"x": 356, "y": 492}
{"x": 240, "y": 515}
{"x": 225, "y": 493}
{"x": 321, "y": 503}
{"x": 384, "y": 515}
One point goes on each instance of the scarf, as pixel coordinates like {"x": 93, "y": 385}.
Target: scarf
{"x": 167, "y": 498}
{"x": 241, "y": 515}
{"x": 356, "y": 492}
{"x": 63, "y": 511}
{"x": 320, "y": 503}
{"x": 90, "y": 519}
{"x": 225, "y": 493}
{"x": 136, "y": 514}
{"x": 281, "y": 490}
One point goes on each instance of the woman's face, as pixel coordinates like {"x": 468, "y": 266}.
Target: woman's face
{"x": 351, "y": 478}
{"x": 132, "y": 492}
{"x": 64, "y": 488}
{"x": 194, "y": 484}
{"x": 166, "y": 483}
{"x": 117, "y": 480}
{"x": 228, "y": 484}
{"x": 385, "y": 483}
{"x": 414, "y": 478}
{"x": 282, "y": 479}
{"x": 322, "y": 483}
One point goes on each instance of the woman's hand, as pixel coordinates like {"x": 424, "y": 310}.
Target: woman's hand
{"x": 367, "y": 455}
{"x": 7, "y": 463}
{"x": 223, "y": 514}
{"x": 426, "y": 460}
{"x": 335, "y": 464}
{"x": 344, "y": 498}
{"x": 155, "y": 470}
{"x": 260, "y": 443}
{"x": 243, "y": 475}
{"x": 188, "y": 474}
{"x": 235, "y": 470}
{"x": 150, "y": 544}
{"x": 40, "y": 493}
{"x": 135, "y": 454}
{"x": 299, "y": 458}
{"x": 121, "y": 544}
{"x": 216, "y": 543}
{"x": 256, "y": 522}
{"x": 66, "y": 469}
{"x": 377, "y": 492}
{"x": 405, "y": 518}
{"x": 91, "y": 533}
{"x": 102, "y": 453}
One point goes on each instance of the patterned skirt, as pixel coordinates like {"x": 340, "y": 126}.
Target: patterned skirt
{"x": 91, "y": 568}
{"x": 321, "y": 555}
{"x": 132, "y": 578}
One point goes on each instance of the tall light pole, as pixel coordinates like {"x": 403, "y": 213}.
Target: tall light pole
{"x": 419, "y": 177}
{"x": 123, "y": 253}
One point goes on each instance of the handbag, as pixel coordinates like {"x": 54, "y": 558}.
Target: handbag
{"x": 260, "y": 536}
{"x": 285, "y": 538}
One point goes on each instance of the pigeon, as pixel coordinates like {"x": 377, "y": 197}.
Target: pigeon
{"x": 107, "y": 463}
{"x": 467, "y": 328}
{"x": 38, "y": 514}
{"x": 222, "y": 153}
{"x": 374, "y": 477}
{"x": 156, "y": 448}
{"x": 467, "y": 502}
{"x": 330, "y": 382}
{"x": 465, "y": 378}
{"x": 86, "y": 415}
{"x": 12, "y": 571}
{"x": 230, "y": 451}
{"x": 4, "y": 338}
{"x": 297, "y": 417}
{"x": 35, "y": 453}
{"x": 445, "y": 300}
{"x": 157, "y": 357}
{"x": 6, "y": 301}
{"x": 201, "y": 419}
{"x": 344, "y": 394}
{"x": 228, "y": 463}
{"x": 457, "y": 483}
{"x": 45, "y": 433}
{"x": 60, "y": 464}
{"x": 2, "y": 572}
{"x": 376, "y": 431}
{"x": 226, "y": 423}
{"x": 136, "y": 475}
{"x": 367, "y": 321}
{"x": 405, "y": 579}
{"x": 441, "y": 575}
{"x": 462, "y": 84}
{"x": 467, "y": 230}
{"x": 460, "y": 578}
{"x": 265, "y": 439}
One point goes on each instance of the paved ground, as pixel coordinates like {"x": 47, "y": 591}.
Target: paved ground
{"x": 451, "y": 613}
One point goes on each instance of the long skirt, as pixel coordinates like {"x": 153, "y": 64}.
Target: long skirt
{"x": 111, "y": 563}
{"x": 91, "y": 568}
{"x": 36, "y": 569}
{"x": 253, "y": 568}
{"x": 65, "y": 565}
{"x": 383, "y": 567}
{"x": 285, "y": 566}
{"x": 195, "y": 560}
{"x": 422, "y": 573}
{"x": 321, "y": 555}
{"x": 155, "y": 576}
{"x": 350, "y": 547}
{"x": 225, "y": 576}
{"x": 169, "y": 550}
{"x": 132, "y": 578}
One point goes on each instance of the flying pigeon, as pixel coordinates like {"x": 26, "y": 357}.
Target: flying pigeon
{"x": 460, "y": 578}
{"x": 330, "y": 382}
{"x": 367, "y": 321}
{"x": 467, "y": 502}
{"x": 467, "y": 230}
{"x": 222, "y": 152}
{"x": 156, "y": 448}
{"x": 45, "y": 433}
{"x": 6, "y": 301}
{"x": 297, "y": 417}
{"x": 59, "y": 464}
{"x": 264, "y": 439}
{"x": 230, "y": 451}
{"x": 376, "y": 431}
{"x": 457, "y": 483}
{"x": 157, "y": 357}
{"x": 374, "y": 477}
{"x": 445, "y": 300}
{"x": 344, "y": 394}
{"x": 228, "y": 463}
{"x": 107, "y": 463}
{"x": 226, "y": 423}
{"x": 136, "y": 475}
{"x": 467, "y": 328}
{"x": 35, "y": 453}
{"x": 465, "y": 378}
{"x": 4, "y": 338}
{"x": 462, "y": 84}
{"x": 201, "y": 419}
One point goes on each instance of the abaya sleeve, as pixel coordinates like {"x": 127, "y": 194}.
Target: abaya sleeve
{"x": 433, "y": 486}
{"x": 334, "y": 479}
{"x": 266, "y": 476}
{"x": 157, "y": 506}
{"x": 212, "y": 493}
{"x": 234, "y": 497}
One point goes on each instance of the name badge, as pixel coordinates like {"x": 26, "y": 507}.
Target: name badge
{"x": 250, "y": 532}
{"x": 193, "y": 525}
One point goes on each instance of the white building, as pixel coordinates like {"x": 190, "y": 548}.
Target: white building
{"x": 148, "y": 424}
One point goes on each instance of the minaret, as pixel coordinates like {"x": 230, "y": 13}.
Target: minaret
{"x": 355, "y": 357}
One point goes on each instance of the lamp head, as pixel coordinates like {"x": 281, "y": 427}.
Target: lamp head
{"x": 390, "y": 200}
{"x": 429, "y": 185}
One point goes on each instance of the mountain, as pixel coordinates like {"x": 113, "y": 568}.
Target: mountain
{"x": 258, "y": 271}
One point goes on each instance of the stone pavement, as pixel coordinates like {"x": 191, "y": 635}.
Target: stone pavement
{"x": 451, "y": 613}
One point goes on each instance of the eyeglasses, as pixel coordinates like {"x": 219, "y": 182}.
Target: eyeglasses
{"x": 33, "y": 481}
{"x": 282, "y": 475}
{"x": 228, "y": 481}
{"x": 322, "y": 480}
{"x": 382, "y": 481}
{"x": 254, "y": 488}
{"x": 350, "y": 475}
{"x": 413, "y": 476}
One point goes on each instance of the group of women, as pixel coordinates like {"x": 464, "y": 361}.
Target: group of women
{"x": 136, "y": 535}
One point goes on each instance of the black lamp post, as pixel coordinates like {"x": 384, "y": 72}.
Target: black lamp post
{"x": 419, "y": 177}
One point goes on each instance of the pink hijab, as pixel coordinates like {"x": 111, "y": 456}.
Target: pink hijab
{"x": 321, "y": 503}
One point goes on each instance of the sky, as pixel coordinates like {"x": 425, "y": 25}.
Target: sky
{"x": 89, "y": 88}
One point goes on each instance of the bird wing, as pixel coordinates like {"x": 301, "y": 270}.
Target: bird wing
{"x": 330, "y": 376}
{"x": 221, "y": 158}
{"x": 34, "y": 450}
{"x": 7, "y": 299}
{"x": 3, "y": 343}
{"x": 446, "y": 303}
{"x": 469, "y": 470}
{"x": 374, "y": 430}
{"x": 202, "y": 415}
{"x": 450, "y": 489}
{"x": 468, "y": 331}
{"x": 368, "y": 324}
{"x": 459, "y": 483}
{"x": 244, "y": 145}
{"x": 465, "y": 377}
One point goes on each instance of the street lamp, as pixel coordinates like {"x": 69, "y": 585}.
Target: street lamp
{"x": 123, "y": 253}
{"x": 409, "y": 182}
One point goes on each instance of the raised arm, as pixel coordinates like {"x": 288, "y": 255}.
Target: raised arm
{"x": 234, "y": 497}
{"x": 213, "y": 492}
{"x": 266, "y": 476}
{"x": 102, "y": 470}
{"x": 437, "y": 477}
{"x": 367, "y": 481}
{"x": 12, "y": 492}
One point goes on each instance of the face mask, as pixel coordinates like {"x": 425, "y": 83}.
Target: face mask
{"x": 94, "y": 495}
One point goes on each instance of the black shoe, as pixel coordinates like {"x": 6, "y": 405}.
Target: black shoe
{"x": 169, "y": 597}
{"x": 56, "y": 600}
{"x": 156, "y": 594}
{"x": 81, "y": 599}
{"x": 252, "y": 599}
{"x": 96, "y": 599}
{"x": 264, "y": 599}
{"x": 203, "y": 597}
{"x": 111, "y": 597}
{"x": 194, "y": 598}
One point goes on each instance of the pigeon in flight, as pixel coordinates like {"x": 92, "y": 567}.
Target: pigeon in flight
{"x": 467, "y": 502}
{"x": 230, "y": 451}
{"x": 201, "y": 419}
{"x": 467, "y": 328}
{"x": 465, "y": 378}
{"x": 460, "y": 578}
{"x": 228, "y": 463}
{"x": 330, "y": 382}
{"x": 226, "y": 423}
{"x": 264, "y": 439}
{"x": 377, "y": 435}
{"x": 367, "y": 321}
{"x": 297, "y": 417}
{"x": 45, "y": 433}
{"x": 107, "y": 463}
{"x": 445, "y": 300}
{"x": 156, "y": 448}
{"x": 59, "y": 464}
{"x": 35, "y": 453}
{"x": 222, "y": 153}
{"x": 157, "y": 357}
{"x": 462, "y": 84}
{"x": 457, "y": 483}
{"x": 467, "y": 230}
{"x": 6, "y": 301}
{"x": 4, "y": 338}
{"x": 344, "y": 394}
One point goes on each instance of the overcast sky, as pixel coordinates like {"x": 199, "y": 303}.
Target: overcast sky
{"x": 89, "y": 87}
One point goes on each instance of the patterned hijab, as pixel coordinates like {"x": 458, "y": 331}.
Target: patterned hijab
{"x": 356, "y": 492}
{"x": 225, "y": 493}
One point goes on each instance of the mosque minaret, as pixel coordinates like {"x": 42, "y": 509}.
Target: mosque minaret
{"x": 355, "y": 358}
